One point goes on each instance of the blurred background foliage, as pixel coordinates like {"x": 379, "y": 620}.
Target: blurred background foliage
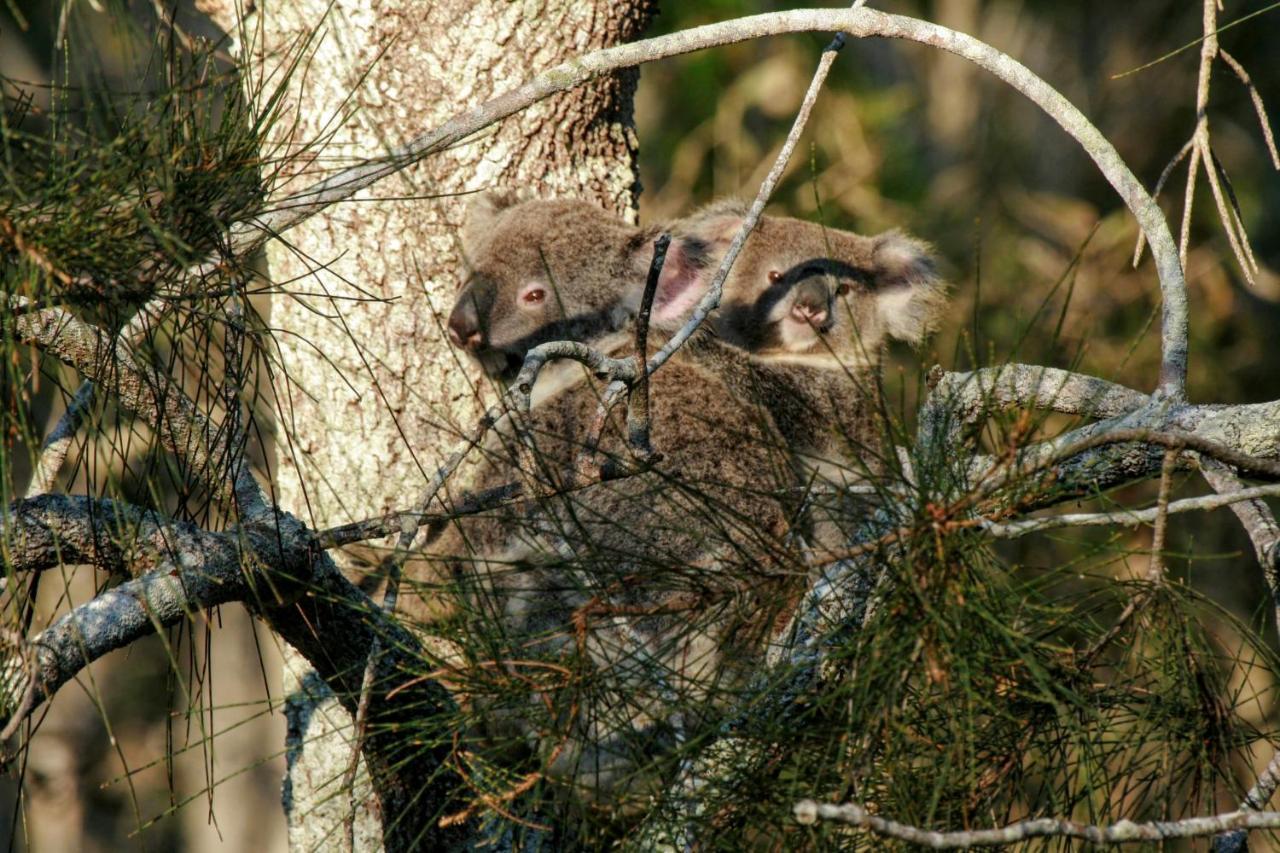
{"x": 1037, "y": 245}
{"x": 902, "y": 137}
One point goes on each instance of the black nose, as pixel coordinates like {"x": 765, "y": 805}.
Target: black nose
{"x": 812, "y": 302}
{"x": 464, "y": 326}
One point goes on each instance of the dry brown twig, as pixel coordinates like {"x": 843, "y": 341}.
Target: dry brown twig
{"x": 1200, "y": 149}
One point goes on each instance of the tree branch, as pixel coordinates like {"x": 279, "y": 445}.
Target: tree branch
{"x": 144, "y": 392}
{"x": 52, "y": 530}
{"x": 57, "y": 443}
{"x": 958, "y": 400}
{"x": 256, "y": 565}
{"x": 1259, "y": 795}
{"x": 1123, "y": 832}
{"x": 247, "y": 236}
{"x": 1125, "y": 517}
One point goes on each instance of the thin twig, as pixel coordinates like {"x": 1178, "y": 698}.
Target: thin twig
{"x": 1164, "y": 177}
{"x": 638, "y": 400}
{"x": 140, "y": 389}
{"x": 1188, "y": 202}
{"x": 711, "y": 299}
{"x": 58, "y": 442}
{"x": 1258, "y": 105}
{"x": 1203, "y": 152}
{"x": 1236, "y": 238}
{"x": 1123, "y": 832}
{"x": 1125, "y": 517}
{"x": 1258, "y": 521}
{"x": 1155, "y": 572}
{"x": 394, "y": 522}
{"x": 1259, "y": 795}
{"x": 1018, "y": 473}
{"x": 250, "y": 500}
{"x": 1176, "y": 439}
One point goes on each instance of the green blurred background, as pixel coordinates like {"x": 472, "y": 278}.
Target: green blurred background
{"x": 1037, "y": 245}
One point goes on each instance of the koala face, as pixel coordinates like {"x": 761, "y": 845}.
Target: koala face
{"x": 800, "y": 289}
{"x": 540, "y": 271}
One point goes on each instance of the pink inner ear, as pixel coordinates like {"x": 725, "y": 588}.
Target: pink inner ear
{"x": 679, "y": 288}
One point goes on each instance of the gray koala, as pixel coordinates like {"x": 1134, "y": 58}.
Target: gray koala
{"x": 813, "y": 309}
{"x": 656, "y": 591}
{"x": 542, "y": 271}
{"x": 804, "y": 320}
{"x": 662, "y": 580}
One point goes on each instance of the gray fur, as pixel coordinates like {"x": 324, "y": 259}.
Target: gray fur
{"x": 670, "y": 581}
{"x": 664, "y": 584}
{"x": 816, "y": 368}
{"x": 581, "y": 258}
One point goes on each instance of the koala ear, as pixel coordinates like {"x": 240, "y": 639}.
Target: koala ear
{"x": 696, "y": 242}
{"x": 682, "y": 283}
{"x": 482, "y": 214}
{"x": 717, "y": 223}
{"x": 910, "y": 297}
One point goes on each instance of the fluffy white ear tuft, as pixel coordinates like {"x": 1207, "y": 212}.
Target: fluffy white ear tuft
{"x": 910, "y": 297}
{"x": 717, "y": 223}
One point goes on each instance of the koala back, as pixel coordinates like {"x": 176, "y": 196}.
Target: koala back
{"x": 663, "y": 586}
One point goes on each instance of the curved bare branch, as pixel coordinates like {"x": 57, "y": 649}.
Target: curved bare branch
{"x": 958, "y": 400}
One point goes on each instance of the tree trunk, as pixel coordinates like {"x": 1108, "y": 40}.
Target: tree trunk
{"x": 369, "y": 394}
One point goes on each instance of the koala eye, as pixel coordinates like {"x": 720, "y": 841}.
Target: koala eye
{"x": 843, "y": 288}
{"x": 774, "y": 276}
{"x": 533, "y": 296}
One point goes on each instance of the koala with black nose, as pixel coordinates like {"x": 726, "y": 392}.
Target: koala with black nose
{"x": 667, "y": 582}
{"x": 807, "y": 312}
{"x": 542, "y": 271}
{"x": 657, "y": 589}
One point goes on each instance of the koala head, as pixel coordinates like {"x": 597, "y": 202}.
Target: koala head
{"x": 801, "y": 289}
{"x": 539, "y": 271}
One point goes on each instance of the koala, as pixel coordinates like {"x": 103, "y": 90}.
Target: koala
{"x": 541, "y": 271}
{"x": 658, "y": 590}
{"x": 665, "y": 585}
{"x": 804, "y": 319}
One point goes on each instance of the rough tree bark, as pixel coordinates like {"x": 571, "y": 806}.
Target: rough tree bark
{"x": 371, "y": 390}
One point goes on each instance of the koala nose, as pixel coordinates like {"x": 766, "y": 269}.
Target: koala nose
{"x": 464, "y": 326}
{"x": 812, "y": 303}
{"x": 806, "y": 312}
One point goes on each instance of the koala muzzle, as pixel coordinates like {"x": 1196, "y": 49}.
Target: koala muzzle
{"x": 464, "y": 323}
{"x": 812, "y": 303}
